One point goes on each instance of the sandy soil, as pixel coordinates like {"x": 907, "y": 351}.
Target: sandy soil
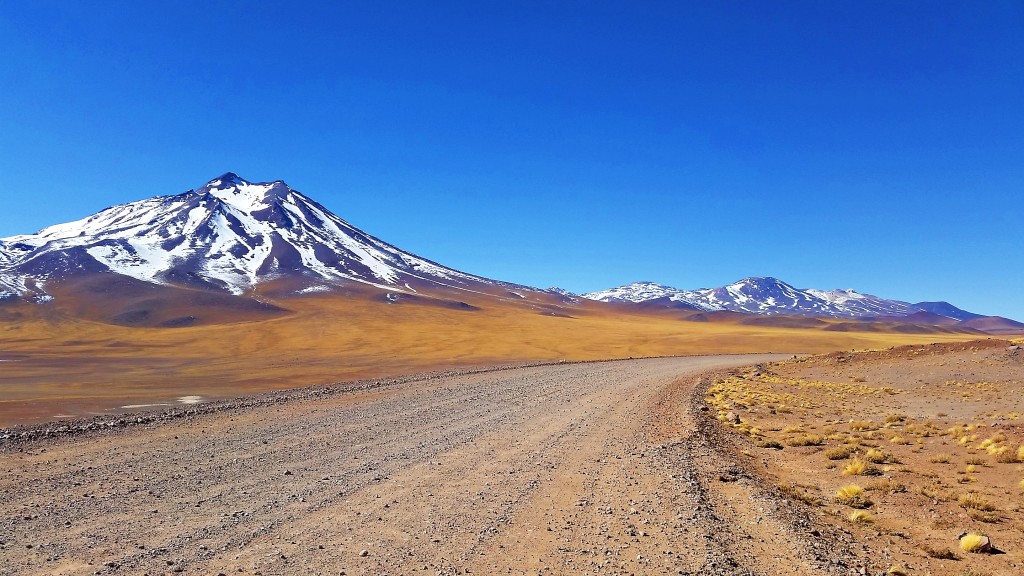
{"x": 939, "y": 430}
{"x": 608, "y": 468}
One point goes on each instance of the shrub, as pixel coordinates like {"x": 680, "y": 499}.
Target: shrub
{"x": 858, "y": 467}
{"x": 853, "y": 496}
{"x": 1008, "y": 456}
{"x": 861, "y": 517}
{"x": 839, "y": 452}
{"x": 975, "y": 501}
{"x": 972, "y": 542}
{"x": 876, "y": 456}
{"x": 861, "y": 425}
{"x": 941, "y": 459}
{"x": 805, "y": 440}
{"x": 773, "y": 444}
{"x": 885, "y": 485}
{"x": 895, "y": 418}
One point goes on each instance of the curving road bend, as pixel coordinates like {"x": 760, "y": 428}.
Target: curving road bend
{"x": 564, "y": 469}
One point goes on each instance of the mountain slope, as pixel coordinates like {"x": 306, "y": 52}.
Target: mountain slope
{"x": 230, "y": 234}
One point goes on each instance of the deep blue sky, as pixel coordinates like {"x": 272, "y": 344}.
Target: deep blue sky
{"x": 878, "y": 146}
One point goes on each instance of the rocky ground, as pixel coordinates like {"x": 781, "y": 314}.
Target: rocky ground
{"x": 930, "y": 438}
{"x": 613, "y": 468}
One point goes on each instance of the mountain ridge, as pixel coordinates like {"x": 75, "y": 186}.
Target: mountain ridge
{"x": 766, "y": 295}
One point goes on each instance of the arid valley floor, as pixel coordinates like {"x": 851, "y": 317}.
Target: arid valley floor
{"x": 610, "y": 467}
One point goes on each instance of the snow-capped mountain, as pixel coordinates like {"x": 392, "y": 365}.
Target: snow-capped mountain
{"x": 771, "y": 296}
{"x": 229, "y": 234}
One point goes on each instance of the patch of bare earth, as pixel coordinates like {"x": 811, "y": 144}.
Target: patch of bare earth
{"x": 608, "y": 468}
{"x": 909, "y": 448}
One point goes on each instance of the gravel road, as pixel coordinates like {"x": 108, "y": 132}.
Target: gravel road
{"x": 564, "y": 469}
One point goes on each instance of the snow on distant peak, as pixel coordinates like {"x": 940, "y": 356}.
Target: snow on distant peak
{"x": 766, "y": 296}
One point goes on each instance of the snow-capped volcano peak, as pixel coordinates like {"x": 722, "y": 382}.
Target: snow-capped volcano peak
{"x": 228, "y": 234}
{"x": 246, "y": 196}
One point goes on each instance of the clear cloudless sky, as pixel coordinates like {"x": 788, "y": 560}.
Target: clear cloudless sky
{"x": 587, "y": 144}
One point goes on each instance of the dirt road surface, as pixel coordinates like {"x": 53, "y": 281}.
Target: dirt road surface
{"x": 566, "y": 469}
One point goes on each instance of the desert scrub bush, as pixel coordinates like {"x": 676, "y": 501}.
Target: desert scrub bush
{"x": 901, "y": 440}
{"x": 974, "y": 461}
{"x": 975, "y": 501}
{"x": 798, "y": 429}
{"x": 839, "y": 452}
{"x": 773, "y": 444}
{"x": 895, "y": 418}
{"x": 861, "y": 425}
{"x": 973, "y": 542}
{"x": 861, "y": 517}
{"x": 858, "y": 467}
{"x": 897, "y": 571}
{"x": 805, "y": 440}
{"x": 1007, "y": 456}
{"x": 935, "y": 493}
{"x": 876, "y": 456}
{"x": 941, "y": 459}
{"x": 989, "y": 517}
{"x": 1021, "y": 485}
{"x": 853, "y": 496}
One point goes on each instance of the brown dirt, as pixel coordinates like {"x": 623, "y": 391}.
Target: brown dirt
{"x": 598, "y": 467}
{"x": 948, "y": 420}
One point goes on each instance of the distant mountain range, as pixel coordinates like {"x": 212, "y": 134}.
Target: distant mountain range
{"x": 771, "y": 296}
{"x": 233, "y": 237}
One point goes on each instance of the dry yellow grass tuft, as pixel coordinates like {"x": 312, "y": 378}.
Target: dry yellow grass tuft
{"x": 897, "y": 571}
{"x": 876, "y": 456}
{"x": 975, "y": 501}
{"x": 858, "y": 467}
{"x": 839, "y": 452}
{"x": 805, "y": 440}
{"x": 861, "y": 517}
{"x": 895, "y": 418}
{"x": 853, "y": 496}
{"x": 941, "y": 459}
{"x": 973, "y": 542}
{"x": 885, "y": 485}
{"x": 861, "y": 425}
